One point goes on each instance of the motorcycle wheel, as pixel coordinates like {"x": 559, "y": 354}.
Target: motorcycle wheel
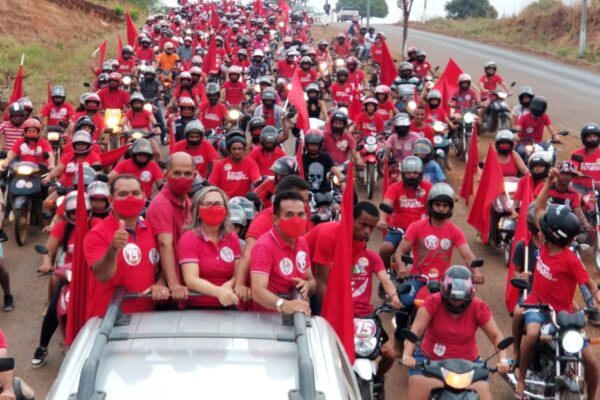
{"x": 507, "y": 249}
{"x": 370, "y": 180}
{"x": 365, "y": 389}
{"x": 22, "y": 225}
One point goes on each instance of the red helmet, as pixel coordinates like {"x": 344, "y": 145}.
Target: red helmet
{"x": 92, "y": 102}
{"x": 115, "y": 76}
{"x": 31, "y": 123}
{"x": 351, "y": 60}
{"x": 187, "y": 107}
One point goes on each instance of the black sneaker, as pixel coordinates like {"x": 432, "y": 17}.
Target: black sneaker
{"x": 3, "y": 236}
{"x": 39, "y": 357}
{"x": 9, "y": 303}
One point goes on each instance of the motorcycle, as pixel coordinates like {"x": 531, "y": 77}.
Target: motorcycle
{"x": 441, "y": 145}
{"x": 369, "y": 336}
{"x": 216, "y": 137}
{"x": 502, "y": 227}
{"x": 323, "y": 207}
{"x": 372, "y": 151}
{"x": 535, "y": 147}
{"x": 462, "y": 138}
{"x": 456, "y": 374}
{"x": 498, "y": 115}
{"x": 56, "y": 139}
{"x": 589, "y": 202}
{"x": 556, "y": 372}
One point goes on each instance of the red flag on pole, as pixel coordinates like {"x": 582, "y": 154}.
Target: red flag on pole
{"x": 387, "y": 71}
{"x": 466, "y": 189}
{"x": 448, "y": 83}
{"x": 299, "y": 153}
{"x": 210, "y": 61}
{"x": 490, "y": 187}
{"x": 132, "y": 32}
{"x": 102, "y": 52}
{"x": 17, "y": 91}
{"x": 521, "y": 234}
{"x": 110, "y": 157}
{"x": 215, "y": 21}
{"x": 338, "y": 308}
{"x": 80, "y": 275}
{"x": 258, "y": 8}
{"x": 119, "y": 45}
{"x": 355, "y": 104}
{"x": 386, "y": 177}
{"x": 172, "y": 140}
{"x": 49, "y": 98}
{"x": 296, "y": 98}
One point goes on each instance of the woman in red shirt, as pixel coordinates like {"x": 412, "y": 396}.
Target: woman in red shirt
{"x": 450, "y": 319}
{"x": 137, "y": 117}
{"x": 510, "y": 161}
{"x": 208, "y": 252}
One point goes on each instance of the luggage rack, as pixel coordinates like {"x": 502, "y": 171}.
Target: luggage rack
{"x": 86, "y": 389}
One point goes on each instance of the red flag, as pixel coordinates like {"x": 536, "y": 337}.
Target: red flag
{"x": 387, "y": 71}
{"x": 172, "y": 140}
{"x": 215, "y": 21}
{"x": 296, "y": 98}
{"x": 210, "y": 61}
{"x": 338, "y": 309}
{"x": 110, "y": 157}
{"x": 466, "y": 189}
{"x": 17, "y": 91}
{"x": 102, "y": 52}
{"x": 299, "y": 153}
{"x": 521, "y": 234}
{"x": 80, "y": 276}
{"x": 119, "y": 45}
{"x": 490, "y": 187}
{"x": 132, "y": 32}
{"x": 258, "y": 8}
{"x": 49, "y": 92}
{"x": 386, "y": 177}
{"x": 355, "y": 104}
{"x": 448, "y": 83}
{"x": 303, "y": 34}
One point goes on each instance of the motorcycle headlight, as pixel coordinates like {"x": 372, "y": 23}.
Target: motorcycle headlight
{"x": 257, "y": 88}
{"x": 438, "y": 126}
{"x": 572, "y": 342}
{"x": 371, "y": 140}
{"x": 456, "y": 380}
{"x": 148, "y": 107}
{"x": 137, "y": 135}
{"x": 336, "y": 181}
{"x": 281, "y": 24}
{"x": 510, "y": 187}
{"x": 370, "y": 148}
{"x": 289, "y": 86}
{"x": 411, "y": 106}
{"x": 469, "y": 118}
{"x": 529, "y": 149}
{"x": 53, "y": 136}
{"x": 126, "y": 81}
{"x": 365, "y": 339}
{"x": 234, "y": 114}
{"x": 68, "y": 274}
{"x": 24, "y": 170}
{"x": 339, "y": 62}
{"x": 323, "y": 66}
{"x": 502, "y": 95}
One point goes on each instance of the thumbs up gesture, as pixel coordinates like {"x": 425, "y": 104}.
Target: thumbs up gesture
{"x": 121, "y": 236}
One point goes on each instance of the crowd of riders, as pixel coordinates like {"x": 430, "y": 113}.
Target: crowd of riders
{"x": 230, "y": 213}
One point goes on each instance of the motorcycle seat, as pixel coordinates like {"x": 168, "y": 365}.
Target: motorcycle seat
{"x": 575, "y": 320}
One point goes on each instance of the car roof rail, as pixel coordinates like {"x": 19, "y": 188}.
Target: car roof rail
{"x": 306, "y": 371}
{"x": 86, "y": 390}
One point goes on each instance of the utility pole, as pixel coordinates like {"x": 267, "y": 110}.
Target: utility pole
{"x": 424, "y": 10}
{"x": 583, "y": 28}
{"x": 368, "y": 13}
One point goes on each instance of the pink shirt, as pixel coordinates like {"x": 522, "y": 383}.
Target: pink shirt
{"x": 339, "y": 148}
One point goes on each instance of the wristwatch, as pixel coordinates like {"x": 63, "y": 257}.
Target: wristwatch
{"x": 279, "y": 304}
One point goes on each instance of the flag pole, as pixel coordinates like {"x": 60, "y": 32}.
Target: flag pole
{"x": 22, "y": 59}
{"x": 526, "y": 267}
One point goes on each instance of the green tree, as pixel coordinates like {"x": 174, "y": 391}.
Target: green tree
{"x": 379, "y": 8}
{"x": 461, "y": 9}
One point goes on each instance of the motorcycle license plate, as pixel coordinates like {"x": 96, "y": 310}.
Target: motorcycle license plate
{"x": 364, "y": 328}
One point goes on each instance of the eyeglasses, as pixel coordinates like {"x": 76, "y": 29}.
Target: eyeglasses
{"x": 206, "y": 204}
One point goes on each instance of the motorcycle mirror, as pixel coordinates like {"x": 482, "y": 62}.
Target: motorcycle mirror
{"x": 162, "y": 164}
{"x": 7, "y": 364}
{"x": 253, "y": 197}
{"x": 433, "y": 286}
{"x": 61, "y": 191}
{"x": 386, "y": 208}
{"x": 563, "y": 133}
{"x": 86, "y": 84}
{"x": 3, "y": 154}
{"x": 63, "y": 124}
{"x": 577, "y": 157}
{"x": 41, "y": 249}
{"x": 437, "y": 68}
{"x": 481, "y": 164}
{"x": 404, "y": 288}
{"x": 505, "y": 343}
{"x": 45, "y": 155}
{"x": 513, "y": 84}
{"x": 102, "y": 178}
{"x": 477, "y": 263}
{"x": 406, "y": 259}
{"x": 520, "y": 283}
{"x": 96, "y": 167}
{"x": 409, "y": 335}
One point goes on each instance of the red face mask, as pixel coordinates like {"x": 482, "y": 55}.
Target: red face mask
{"x": 180, "y": 185}
{"x": 293, "y": 227}
{"x": 129, "y": 206}
{"x": 213, "y": 215}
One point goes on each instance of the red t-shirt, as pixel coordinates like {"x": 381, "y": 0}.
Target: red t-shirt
{"x": 364, "y": 265}
{"x": 556, "y": 278}
{"x": 386, "y": 110}
{"x": 356, "y": 77}
{"x": 451, "y": 336}
{"x": 285, "y": 70}
{"x": 145, "y": 54}
{"x": 590, "y": 166}
{"x": 421, "y": 69}
{"x": 3, "y": 344}
{"x": 215, "y": 263}
{"x": 410, "y": 204}
{"x": 71, "y": 162}
{"x": 234, "y": 92}
{"x": 509, "y": 168}
{"x": 212, "y": 117}
{"x": 339, "y": 148}
{"x": 273, "y": 257}
{"x": 490, "y": 83}
{"x": 147, "y": 175}
{"x": 32, "y": 151}
{"x": 56, "y": 114}
{"x": 261, "y": 224}
{"x": 439, "y": 114}
{"x": 341, "y": 93}
{"x": 570, "y": 197}
{"x": 58, "y": 231}
{"x": 140, "y": 119}
{"x": 136, "y": 265}
{"x": 307, "y": 77}
{"x": 265, "y": 160}
{"x": 203, "y": 155}
{"x": 367, "y": 126}
{"x": 114, "y": 99}
{"x": 234, "y": 178}
{"x": 432, "y": 246}
{"x": 426, "y": 131}
{"x": 532, "y": 128}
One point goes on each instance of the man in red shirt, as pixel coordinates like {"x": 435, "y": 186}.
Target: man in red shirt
{"x": 92, "y": 110}
{"x": 377, "y": 48}
{"x": 31, "y": 147}
{"x": 531, "y": 125}
{"x": 268, "y": 151}
{"x": 168, "y": 213}
{"x": 11, "y": 130}
{"x": 368, "y": 122}
{"x": 142, "y": 166}
{"x": 122, "y": 251}
{"x": 356, "y": 76}
{"x": 233, "y": 90}
{"x": 235, "y": 174}
{"x": 212, "y": 113}
{"x": 145, "y": 52}
{"x": 341, "y": 90}
{"x": 419, "y": 125}
{"x": 490, "y": 80}
{"x": 285, "y": 68}
{"x": 112, "y": 96}
{"x": 341, "y": 48}
{"x": 422, "y": 67}
{"x": 338, "y": 142}
{"x": 202, "y": 151}
{"x": 57, "y": 110}
{"x": 590, "y": 165}
{"x": 306, "y": 74}
{"x": 280, "y": 259}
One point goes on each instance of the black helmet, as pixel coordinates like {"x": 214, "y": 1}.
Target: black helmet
{"x": 269, "y": 94}
{"x": 213, "y": 88}
{"x": 540, "y": 158}
{"x": 440, "y": 192}
{"x": 342, "y": 71}
{"x": 339, "y": 116}
{"x": 590, "y": 129}
{"x": 269, "y": 134}
{"x": 411, "y": 164}
{"x": 538, "y": 106}
{"x": 286, "y": 165}
{"x": 127, "y": 51}
{"x": 85, "y": 121}
{"x": 314, "y": 136}
{"x": 16, "y": 109}
{"x": 457, "y": 284}
{"x": 141, "y": 146}
{"x": 257, "y": 122}
{"x": 560, "y": 225}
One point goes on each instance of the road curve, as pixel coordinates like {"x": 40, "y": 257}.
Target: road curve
{"x": 573, "y": 93}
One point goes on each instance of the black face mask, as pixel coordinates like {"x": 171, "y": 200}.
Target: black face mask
{"x": 590, "y": 144}
{"x": 195, "y": 142}
{"x": 412, "y": 182}
{"x": 336, "y": 129}
{"x": 402, "y": 130}
{"x": 342, "y": 78}
{"x": 313, "y": 99}
{"x": 433, "y": 106}
{"x": 140, "y": 164}
{"x": 149, "y": 78}
{"x": 541, "y": 175}
{"x": 213, "y": 100}
{"x": 406, "y": 74}
{"x": 268, "y": 104}
{"x": 59, "y": 101}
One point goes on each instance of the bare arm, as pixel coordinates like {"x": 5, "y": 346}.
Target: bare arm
{"x": 494, "y": 334}
{"x": 191, "y": 276}
{"x": 106, "y": 267}
{"x": 422, "y": 320}
{"x": 6, "y": 381}
{"x": 168, "y": 266}
{"x": 322, "y": 277}
{"x": 404, "y": 247}
{"x": 520, "y": 163}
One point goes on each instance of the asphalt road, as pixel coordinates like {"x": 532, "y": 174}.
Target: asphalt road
{"x": 564, "y": 90}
